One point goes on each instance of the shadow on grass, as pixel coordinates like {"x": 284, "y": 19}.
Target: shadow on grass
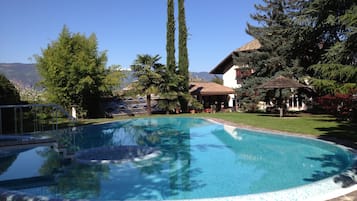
{"x": 276, "y": 114}
{"x": 345, "y": 133}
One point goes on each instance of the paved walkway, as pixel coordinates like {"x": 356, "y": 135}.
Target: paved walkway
{"x": 349, "y": 197}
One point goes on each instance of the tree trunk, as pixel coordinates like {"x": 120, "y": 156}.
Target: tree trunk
{"x": 148, "y": 104}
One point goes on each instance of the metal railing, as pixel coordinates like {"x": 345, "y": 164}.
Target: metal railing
{"x": 18, "y": 115}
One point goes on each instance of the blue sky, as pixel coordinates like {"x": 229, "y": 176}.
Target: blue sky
{"x": 124, "y": 28}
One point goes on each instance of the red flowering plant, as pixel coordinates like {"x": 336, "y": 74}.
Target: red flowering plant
{"x": 339, "y": 105}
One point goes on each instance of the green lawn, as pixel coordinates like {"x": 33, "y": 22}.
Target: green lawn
{"x": 324, "y": 127}
{"x": 303, "y": 123}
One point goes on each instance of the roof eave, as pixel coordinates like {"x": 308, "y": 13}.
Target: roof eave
{"x": 224, "y": 65}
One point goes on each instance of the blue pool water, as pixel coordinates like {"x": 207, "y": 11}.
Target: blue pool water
{"x": 194, "y": 158}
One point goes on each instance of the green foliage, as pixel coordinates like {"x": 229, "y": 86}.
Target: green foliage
{"x": 169, "y": 101}
{"x": 349, "y": 19}
{"x": 338, "y": 72}
{"x": 334, "y": 23}
{"x": 277, "y": 35}
{"x": 248, "y": 95}
{"x": 73, "y": 71}
{"x": 8, "y": 93}
{"x": 300, "y": 38}
{"x": 183, "y": 62}
{"x": 169, "y": 89}
{"x": 195, "y": 104}
{"x": 113, "y": 78}
{"x": 144, "y": 69}
{"x": 170, "y": 37}
{"x": 323, "y": 87}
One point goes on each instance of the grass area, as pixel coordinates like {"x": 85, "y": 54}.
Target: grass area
{"x": 300, "y": 123}
{"x": 324, "y": 127}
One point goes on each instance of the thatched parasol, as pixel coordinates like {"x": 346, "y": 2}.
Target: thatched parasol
{"x": 280, "y": 83}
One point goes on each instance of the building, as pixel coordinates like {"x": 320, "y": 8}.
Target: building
{"x": 211, "y": 95}
{"x": 233, "y": 74}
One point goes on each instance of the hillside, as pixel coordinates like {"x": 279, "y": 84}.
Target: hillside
{"x": 27, "y": 74}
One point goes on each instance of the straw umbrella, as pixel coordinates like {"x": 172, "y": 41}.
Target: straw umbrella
{"x": 280, "y": 83}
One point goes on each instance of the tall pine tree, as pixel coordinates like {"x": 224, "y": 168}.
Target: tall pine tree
{"x": 275, "y": 37}
{"x": 275, "y": 56}
{"x": 334, "y": 24}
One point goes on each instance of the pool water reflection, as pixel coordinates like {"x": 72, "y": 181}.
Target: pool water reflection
{"x": 197, "y": 159}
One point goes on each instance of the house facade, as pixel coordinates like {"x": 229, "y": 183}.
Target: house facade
{"x": 233, "y": 75}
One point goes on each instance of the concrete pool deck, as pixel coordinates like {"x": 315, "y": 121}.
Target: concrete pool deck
{"x": 349, "y": 196}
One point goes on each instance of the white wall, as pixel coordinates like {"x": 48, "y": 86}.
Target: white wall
{"x": 229, "y": 78}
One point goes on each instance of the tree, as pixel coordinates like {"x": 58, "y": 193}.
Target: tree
{"x": 144, "y": 69}
{"x": 274, "y": 34}
{"x": 275, "y": 56}
{"x": 8, "y": 96}
{"x": 113, "y": 79}
{"x": 73, "y": 71}
{"x": 314, "y": 38}
{"x": 170, "y": 37}
{"x": 8, "y": 92}
{"x": 183, "y": 62}
{"x": 335, "y": 22}
{"x": 168, "y": 87}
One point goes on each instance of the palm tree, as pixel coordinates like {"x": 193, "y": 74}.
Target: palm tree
{"x": 147, "y": 78}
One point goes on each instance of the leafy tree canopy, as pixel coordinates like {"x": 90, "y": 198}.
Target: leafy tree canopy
{"x": 113, "y": 78}
{"x": 73, "y": 71}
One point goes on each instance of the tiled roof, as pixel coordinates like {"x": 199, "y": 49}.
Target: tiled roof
{"x": 252, "y": 45}
{"x": 227, "y": 62}
{"x": 209, "y": 88}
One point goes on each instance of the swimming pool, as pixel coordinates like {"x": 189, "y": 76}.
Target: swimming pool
{"x": 190, "y": 158}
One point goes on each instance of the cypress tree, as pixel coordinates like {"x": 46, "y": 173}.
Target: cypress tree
{"x": 170, "y": 37}
{"x": 183, "y": 55}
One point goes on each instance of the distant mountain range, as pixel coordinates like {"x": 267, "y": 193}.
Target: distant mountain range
{"x": 27, "y": 74}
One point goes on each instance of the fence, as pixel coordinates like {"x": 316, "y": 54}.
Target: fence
{"x": 20, "y": 118}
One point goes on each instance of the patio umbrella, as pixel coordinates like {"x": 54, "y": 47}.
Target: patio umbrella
{"x": 280, "y": 83}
